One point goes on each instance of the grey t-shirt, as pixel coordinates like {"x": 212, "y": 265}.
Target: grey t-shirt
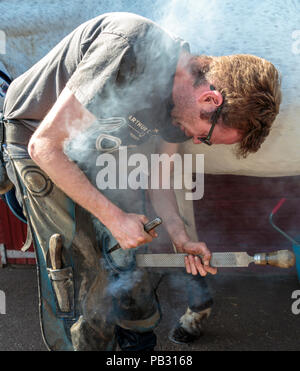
{"x": 120, "y": 66}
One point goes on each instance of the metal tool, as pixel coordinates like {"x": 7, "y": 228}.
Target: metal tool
{"x": 281, "y": 259}
{"x": 147, "y": 227}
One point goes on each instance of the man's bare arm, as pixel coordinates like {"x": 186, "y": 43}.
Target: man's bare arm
{"x": 66, "y": 119}
{"x": 165, "y": 204}
{"x": 164, "y": 200}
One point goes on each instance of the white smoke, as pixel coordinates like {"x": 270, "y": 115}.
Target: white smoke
{"x": 222, "y": 27}
{"x": 192, "y": 20}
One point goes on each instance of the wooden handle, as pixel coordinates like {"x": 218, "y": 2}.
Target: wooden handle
{"x": 55, "y": 249}
{"x": 280, "y": 259}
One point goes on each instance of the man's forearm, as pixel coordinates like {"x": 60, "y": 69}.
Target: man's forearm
{"x": 165, "y": 205}
{"x": 66, "y": 119}
{"x": 72, "y": 181}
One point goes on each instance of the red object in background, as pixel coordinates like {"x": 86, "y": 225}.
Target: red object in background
{"x": 234, "y": 214}
{"x": 13, "y": 234}
{"x": 278, "y": 206}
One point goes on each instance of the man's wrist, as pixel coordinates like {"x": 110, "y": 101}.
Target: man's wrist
{"x": 180, "y": 239}
{"x": 110, "y": 215}
{"x": 176, "y": 230}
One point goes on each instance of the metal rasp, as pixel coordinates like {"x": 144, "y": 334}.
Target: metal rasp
{"x": 281, "y": 259}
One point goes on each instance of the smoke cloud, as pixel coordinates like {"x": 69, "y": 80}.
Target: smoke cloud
{"x": 222, "y": 27}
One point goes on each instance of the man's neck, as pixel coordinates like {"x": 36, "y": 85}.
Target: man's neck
{"x": 183, "y": 63}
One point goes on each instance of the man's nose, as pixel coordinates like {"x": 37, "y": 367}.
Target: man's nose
{"x": 196, "y": 140}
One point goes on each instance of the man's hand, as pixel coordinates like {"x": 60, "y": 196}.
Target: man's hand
{"x": 193, "y": 263}
{"x": 128, "y": 230}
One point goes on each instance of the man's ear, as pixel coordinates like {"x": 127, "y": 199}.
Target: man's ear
{"x": 211, "y": 97}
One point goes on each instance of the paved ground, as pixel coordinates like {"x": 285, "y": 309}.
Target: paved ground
{"x": 252, "y": 312}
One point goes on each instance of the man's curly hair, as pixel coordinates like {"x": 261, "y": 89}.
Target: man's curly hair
{"x": 251, "y": 90}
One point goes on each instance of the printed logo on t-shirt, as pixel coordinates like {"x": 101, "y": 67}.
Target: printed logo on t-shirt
{"x": 140, "y": 128}
{"x": 107, "y": 143}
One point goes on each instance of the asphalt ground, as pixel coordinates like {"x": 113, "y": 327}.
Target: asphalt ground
{"x": 251, "y": 312}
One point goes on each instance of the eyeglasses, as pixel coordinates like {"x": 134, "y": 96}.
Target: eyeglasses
{"x": 213, "y": 120}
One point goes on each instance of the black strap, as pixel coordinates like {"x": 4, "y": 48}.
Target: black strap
{"x": 8, "y": 80}
{"x": 1, "y": 132}
{"x": 5, "y": 77}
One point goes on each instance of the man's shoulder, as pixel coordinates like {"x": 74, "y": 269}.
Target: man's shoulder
{"x": 130, "y": 26}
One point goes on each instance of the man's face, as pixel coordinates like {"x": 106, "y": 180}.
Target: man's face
{"x": 200, "y": 128}
{"x": 189, "y": 103}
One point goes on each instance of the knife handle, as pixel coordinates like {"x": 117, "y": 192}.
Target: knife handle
{"x": 55, "y": 250}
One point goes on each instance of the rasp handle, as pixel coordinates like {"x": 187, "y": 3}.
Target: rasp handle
{"x": 280, "y": 259}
